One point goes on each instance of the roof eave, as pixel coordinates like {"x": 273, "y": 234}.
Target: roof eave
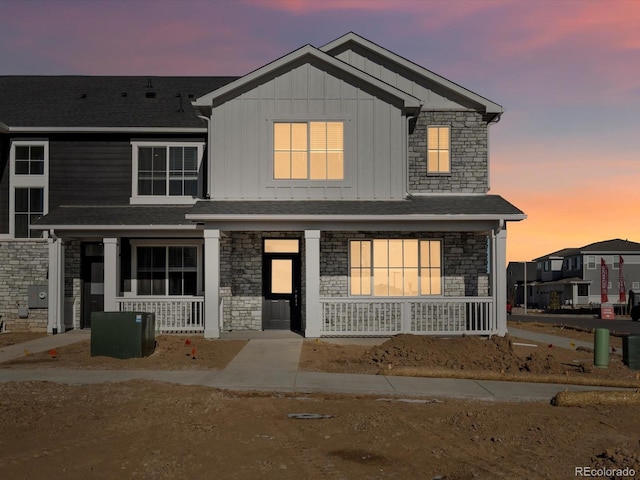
{"x": 192, "y": 226}
{"x": 490, "y": 106}
{"x": 208, "y": 100}
{"x": 71, "y": 129}
{"x": 209, "y": 217}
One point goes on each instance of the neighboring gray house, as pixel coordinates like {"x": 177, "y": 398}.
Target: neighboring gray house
{"x": 574, "y": 274}
{"x": 339, "y": 190}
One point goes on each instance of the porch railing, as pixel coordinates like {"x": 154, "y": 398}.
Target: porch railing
{"x": 173, "y": 315}
{"x": 393, "y": 315}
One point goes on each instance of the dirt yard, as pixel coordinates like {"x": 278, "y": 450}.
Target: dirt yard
{"x": 147, "y": 430}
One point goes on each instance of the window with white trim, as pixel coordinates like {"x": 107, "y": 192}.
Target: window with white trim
{"x": 166, "y": 172}
{"x": 29, "y": 185}
{"x": 308, "y": 151}
{"x": 591, "y": 262}
{"x": 29, "y": 206}
{"x": 438, "y": 149}
{"x": 395, "y": 267}
{"x": 167, "y": 270}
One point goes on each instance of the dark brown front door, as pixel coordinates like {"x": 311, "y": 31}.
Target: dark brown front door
{"x": 281, "y": 306}
{"x": 92, "y": 274}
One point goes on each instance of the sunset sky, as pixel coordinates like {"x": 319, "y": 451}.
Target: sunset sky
{"x": 566, "y": 152}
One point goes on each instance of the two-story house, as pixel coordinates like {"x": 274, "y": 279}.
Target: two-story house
{"x": 574, "y": 275}
{"x": 340, "y": 190}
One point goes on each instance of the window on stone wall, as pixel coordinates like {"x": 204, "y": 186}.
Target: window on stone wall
{"x": 167, "y": 270}
{"x": 438, "y": 149}
{"x": 395, "y": 267}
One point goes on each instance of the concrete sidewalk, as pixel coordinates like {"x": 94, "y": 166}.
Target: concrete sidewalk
{"x": 271, "y": 364}
{"x": 546, "y": 339}
{"x": 43, "y": 344}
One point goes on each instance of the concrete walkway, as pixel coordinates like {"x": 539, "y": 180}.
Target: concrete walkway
{"x": 546, "y": 339}
{"x": 43, "y": 344}
{"x": 271, "y": 364}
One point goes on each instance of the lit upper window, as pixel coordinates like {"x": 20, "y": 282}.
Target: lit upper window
{"x": 438, "y": 150}
{"x": 308, "y": 151}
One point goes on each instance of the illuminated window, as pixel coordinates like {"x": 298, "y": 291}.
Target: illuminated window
{"x": 308, "y": 151}
{"x": 438, "y": 150}
{"x": 276, "y": 245}
{"x": 395, "y": 267}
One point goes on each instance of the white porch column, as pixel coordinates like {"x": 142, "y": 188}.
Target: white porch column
{"x": 500, "y": 275}
{"x": 55, "y": 314}
{"x": 212, "y": 283}
{"x": 313, "y": 313}
{"x": 111, "y": 273}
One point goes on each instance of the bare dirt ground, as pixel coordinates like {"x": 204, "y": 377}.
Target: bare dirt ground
{"x": 148, "y": 430}
{"x": 495, "y": 358}
{"x": 171, "y": 353}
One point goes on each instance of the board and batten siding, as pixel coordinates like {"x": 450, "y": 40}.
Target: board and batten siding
{"x": 241, "y": 148}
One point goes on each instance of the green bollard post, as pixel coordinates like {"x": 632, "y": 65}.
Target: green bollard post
{"x": 601, "y": 348}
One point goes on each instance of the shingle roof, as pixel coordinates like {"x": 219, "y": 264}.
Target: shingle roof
{"x": 87, "y": 101}
{"x": 615, "y": 245}
{"x": 122, "y": 215}
{"x": 609, "y": 246}
{"x": 427, "y": 205}
{"x": 482, "y": 206}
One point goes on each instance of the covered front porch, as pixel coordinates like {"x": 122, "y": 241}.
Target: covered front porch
{"x": 352, "y": 272}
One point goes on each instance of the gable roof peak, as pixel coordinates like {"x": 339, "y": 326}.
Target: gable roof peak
{"x": 351, "y": 37}
{"x": 236, "y": 87}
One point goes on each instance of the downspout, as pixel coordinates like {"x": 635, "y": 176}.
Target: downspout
{"x": 55, "y": 309}
{"x": 493, "y": 121}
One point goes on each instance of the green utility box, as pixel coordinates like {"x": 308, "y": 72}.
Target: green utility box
{"x": 631, "y": 351}
{"x": 123, "y": 334}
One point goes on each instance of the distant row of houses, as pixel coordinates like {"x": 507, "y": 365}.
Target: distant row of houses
{"x": 578, "y": 277}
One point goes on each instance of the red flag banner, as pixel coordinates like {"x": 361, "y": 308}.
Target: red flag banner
{"x": 621, "y": 286}
{"x": 604, "y": 281}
